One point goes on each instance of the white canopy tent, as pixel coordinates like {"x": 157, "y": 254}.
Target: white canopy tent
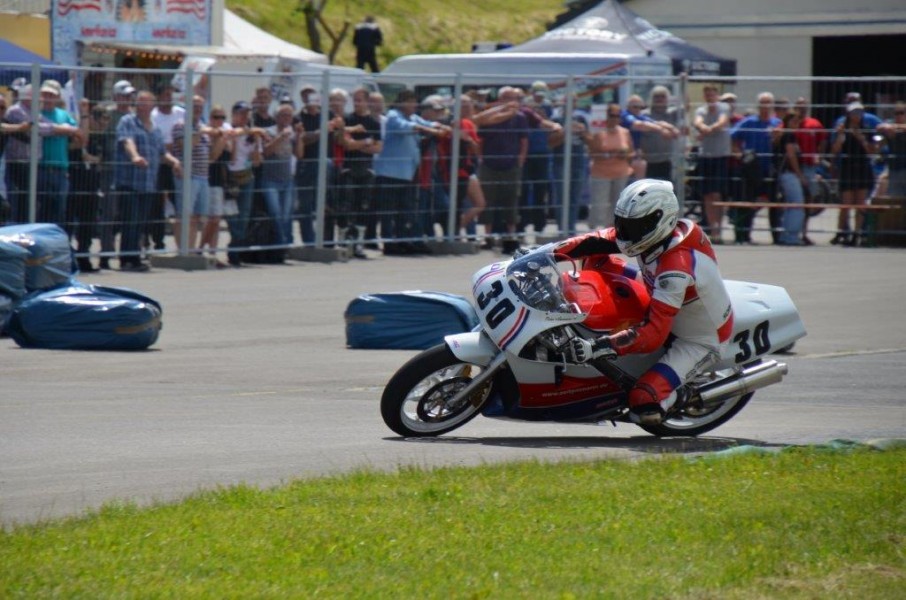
{"x": 241, "y": 37}
{"x": 241, "y": 41}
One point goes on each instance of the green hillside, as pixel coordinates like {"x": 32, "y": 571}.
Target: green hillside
{"x": 409, "y": 26}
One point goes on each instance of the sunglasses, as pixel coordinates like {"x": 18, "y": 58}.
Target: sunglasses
{"x": 218, "y": 117}
{"x": 899, "y": 112}
{"x": 613, "y": 116}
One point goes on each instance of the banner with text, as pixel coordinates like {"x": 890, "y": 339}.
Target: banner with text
{"x": 163, "y": 22}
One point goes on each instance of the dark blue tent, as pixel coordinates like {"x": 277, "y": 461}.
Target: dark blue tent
{"x": 11, "y": 53}
{"x": 611, "y": 28}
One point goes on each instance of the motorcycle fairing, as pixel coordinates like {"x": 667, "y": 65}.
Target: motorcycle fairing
{"x": 612, "y": 301}
{"x": 566, "y": 391}
{"x": 507, "y": 293}
{"x": 765, "y": 320}
{"x": 590, "y": 410}
{"x": 473, "y": 347}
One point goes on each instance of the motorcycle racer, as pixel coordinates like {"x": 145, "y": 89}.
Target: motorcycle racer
{"x": 690, "y": 309}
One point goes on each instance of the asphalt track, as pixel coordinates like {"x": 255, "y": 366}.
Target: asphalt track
{"x": 251, "y": 382}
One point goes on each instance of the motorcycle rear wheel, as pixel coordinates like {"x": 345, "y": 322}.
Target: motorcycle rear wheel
{"x": 691, "y": 421}
{"x": 416, "y": 401}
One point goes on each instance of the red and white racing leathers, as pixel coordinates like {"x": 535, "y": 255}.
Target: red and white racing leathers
{"x": 689, "y": 304}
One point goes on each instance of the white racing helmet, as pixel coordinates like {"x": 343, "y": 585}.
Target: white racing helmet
{"x": 645, "y": 215}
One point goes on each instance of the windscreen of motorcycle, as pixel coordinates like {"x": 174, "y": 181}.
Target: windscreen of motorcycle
{"x": 537, "y": 283}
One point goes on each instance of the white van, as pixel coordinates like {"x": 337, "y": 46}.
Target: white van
{"x": 599, "y": 78}
{"x": 226, "y": 80}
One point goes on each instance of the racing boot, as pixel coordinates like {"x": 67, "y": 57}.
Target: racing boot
{"x": 651, "y": 413}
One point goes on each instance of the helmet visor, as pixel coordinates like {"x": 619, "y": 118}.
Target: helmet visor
{"x": 635, "y": 230}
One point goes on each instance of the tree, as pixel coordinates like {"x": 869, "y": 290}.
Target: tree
{"x": 313, "y": 11}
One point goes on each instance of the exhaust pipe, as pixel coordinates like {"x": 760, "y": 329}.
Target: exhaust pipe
{"x": 747, "y": 380}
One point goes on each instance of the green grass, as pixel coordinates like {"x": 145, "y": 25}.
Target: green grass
{"x": 409, "y": 26}
{"x": 798, "y": 524}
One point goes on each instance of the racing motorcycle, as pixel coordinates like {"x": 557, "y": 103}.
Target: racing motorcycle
{"x": 515, "y": 364}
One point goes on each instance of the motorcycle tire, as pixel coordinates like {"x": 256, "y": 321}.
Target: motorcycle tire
{"x": 687, "y": 427}
{"x": 415, "y": 402}
{"x": 692, "y": 421}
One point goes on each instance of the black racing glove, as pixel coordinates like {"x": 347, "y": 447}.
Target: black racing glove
{"x": 582, "y": 350}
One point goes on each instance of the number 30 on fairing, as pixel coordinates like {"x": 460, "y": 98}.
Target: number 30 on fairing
{"x": 758, "y": 338}
{"x": 501, "y": 310}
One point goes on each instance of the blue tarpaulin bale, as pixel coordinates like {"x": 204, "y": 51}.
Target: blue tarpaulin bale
{"x": 12, "y": 269}
{"x": 6, "y": 307}
{"x": 406, "y": 320}
{"x": 50, "y": 261}
{"x": 85, "y": 317}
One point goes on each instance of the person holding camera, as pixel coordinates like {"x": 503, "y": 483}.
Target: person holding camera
{"x": 852, "y": 146}
{"x": 245, "y": 153}
{"x": 283, "y": 142}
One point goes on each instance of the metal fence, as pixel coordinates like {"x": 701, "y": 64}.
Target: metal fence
{"x": 511, "y": 183}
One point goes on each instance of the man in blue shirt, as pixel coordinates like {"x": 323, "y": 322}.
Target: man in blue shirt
{"x": 139, "y": 151}
{"x": 638, "y": 124}
{"x": 753, "y": 137}
{"x": 395, "y": 168}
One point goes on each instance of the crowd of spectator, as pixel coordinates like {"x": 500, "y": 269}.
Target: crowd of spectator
{"x": 115, "y": 170}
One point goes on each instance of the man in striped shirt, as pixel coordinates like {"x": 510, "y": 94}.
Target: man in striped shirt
{"x": 199, "y": 189}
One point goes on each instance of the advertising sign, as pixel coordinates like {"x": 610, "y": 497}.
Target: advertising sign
{"x": 159, "y": 22}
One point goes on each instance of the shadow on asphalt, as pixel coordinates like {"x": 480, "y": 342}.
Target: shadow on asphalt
{"x": 642, "y": 443}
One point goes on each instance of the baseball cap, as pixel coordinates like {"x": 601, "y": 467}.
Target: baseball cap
{"x": 854, "y": 106}
{"x": 18, "y": 83}
{"x": 728, "y": 97}
{"x": 539, "y": 86}
{"x": 123, "y": 88}
{"x": 286, "y": 99}
{"x": 241, "y": 105}
{"x": 51, "y": 87}
{"x": 434, "y": 102}
{"x": 853, "y": 97}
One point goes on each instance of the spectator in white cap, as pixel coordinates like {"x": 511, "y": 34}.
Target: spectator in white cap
{"x": 540, "y": 99}
{"x": 122, "y": 88}
{"x": 852, "y": 147}
{"x": 140, "y": 150}
{"x": 730, "y": 99}
{"x": 53, "y": 169}
{"x": 54, "y": 86}
{"x": 124, "y": 98}
{"x": 870, "y": 120}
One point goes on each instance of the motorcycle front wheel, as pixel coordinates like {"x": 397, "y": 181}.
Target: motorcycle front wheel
{"x": 418, "y": 399}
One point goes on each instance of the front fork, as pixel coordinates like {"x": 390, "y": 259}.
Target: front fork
{"x": 482, "y": 379}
